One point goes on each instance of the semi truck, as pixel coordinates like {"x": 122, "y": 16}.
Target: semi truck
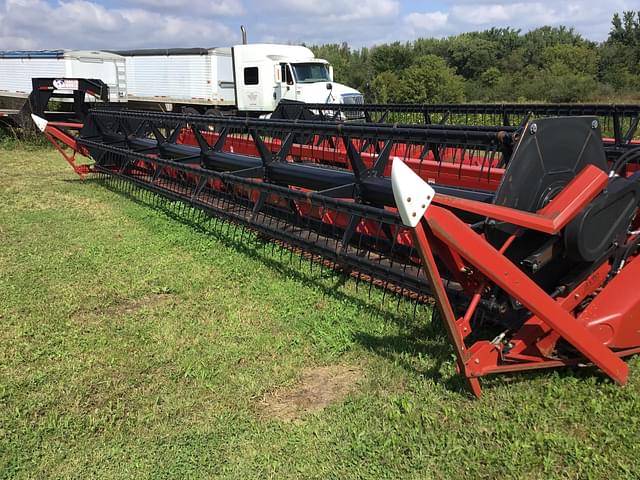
{"x": 247, "y": 79}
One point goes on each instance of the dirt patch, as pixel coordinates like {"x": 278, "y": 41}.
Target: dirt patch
{"x": 126, "y": 308}
{"x": 317, "y": 388}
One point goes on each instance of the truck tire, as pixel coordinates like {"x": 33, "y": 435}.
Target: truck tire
{"x": 190, "y": 111}
{"x": 214, "y": 112}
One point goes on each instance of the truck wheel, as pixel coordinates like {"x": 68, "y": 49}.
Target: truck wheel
{"x": 190, "y": 111}
{"x": 214, "y": 112}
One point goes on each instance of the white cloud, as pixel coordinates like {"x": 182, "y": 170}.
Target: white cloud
{"x": 497, "y": 14}
{"x": 359, "y": 23}
{"x": 208, "y": 7}
{"x": 333, "y": 10}
{"x": 590, "y": 17}
{"x": 112, "y": 24}
{"x": 82, "y": 24}
{"x": 432, "y": 21}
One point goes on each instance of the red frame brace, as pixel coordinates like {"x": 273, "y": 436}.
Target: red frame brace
{"x": 59, "y": 138}
{"x": 446, "y": 230}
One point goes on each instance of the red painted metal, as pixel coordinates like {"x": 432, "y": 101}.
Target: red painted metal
{"x": 511, "y": 279}
{"x": 553, "y": 217}
{"x": 600, "y": 317}
{"x": 59, "y": 139}
{"x": 73, "y": 125}
{"x": 444, "y": 306}
{"x": 457, "y": 167}
{"x": 536, "y": 340}
{"x": 613, "y": 316}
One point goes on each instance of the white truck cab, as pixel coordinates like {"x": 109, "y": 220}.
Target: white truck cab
{"x": 266, "y": 73}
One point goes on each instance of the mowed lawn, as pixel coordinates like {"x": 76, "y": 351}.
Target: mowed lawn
{"x": 139, "y": 342}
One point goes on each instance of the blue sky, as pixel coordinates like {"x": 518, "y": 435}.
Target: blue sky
{"x": 109, "y": 24}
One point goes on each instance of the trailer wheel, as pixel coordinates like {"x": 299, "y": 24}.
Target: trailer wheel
{"x": 190, "y": 111}
{"x": 214, "y": 112}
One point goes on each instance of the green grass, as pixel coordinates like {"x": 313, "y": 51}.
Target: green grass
{"x": 137, "y": 344}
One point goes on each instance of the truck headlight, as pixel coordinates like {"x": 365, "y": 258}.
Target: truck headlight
{"x": 352, "y": 99}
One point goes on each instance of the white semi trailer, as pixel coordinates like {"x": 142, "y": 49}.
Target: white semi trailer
{"x": 247, "y": 78}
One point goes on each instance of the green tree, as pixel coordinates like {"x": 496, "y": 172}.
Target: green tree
{"x": 535, "y": 42}
{"x": 505, "y": 39}
{"x": 626, "y": 30}
{"x": 620, "y": 54}
{"x": 431, "y": 80}
{"x": 471, "y": 55}
{"x": 491, "y": 77}
{"x": 575, "y": 58}
{"x": 561, "y": 85}
{"x": 384, "y": 88}
{"x": 360, "y": 72}
{"x": 393, "y": 57}
{"x": 618, "y": 68}
{"x": 431, "y": 46}
{"x": 497, "y": 64}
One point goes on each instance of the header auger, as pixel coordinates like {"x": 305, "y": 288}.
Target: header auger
{"x": 525, "y": 236}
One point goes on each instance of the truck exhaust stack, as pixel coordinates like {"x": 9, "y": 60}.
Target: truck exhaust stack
{"x": 244, "y": 34}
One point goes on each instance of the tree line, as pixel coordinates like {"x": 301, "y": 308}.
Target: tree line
{"x": 550, "y": 64}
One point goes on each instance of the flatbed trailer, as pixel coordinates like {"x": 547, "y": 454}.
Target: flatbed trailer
{"x": 45, "y": 89}
{"x": 8, "y": 117}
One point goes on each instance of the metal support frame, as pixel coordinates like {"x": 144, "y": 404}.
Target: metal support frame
{"x": 278, "y": 179}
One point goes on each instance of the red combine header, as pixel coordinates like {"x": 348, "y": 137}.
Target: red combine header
{"x": 526, "y": 236}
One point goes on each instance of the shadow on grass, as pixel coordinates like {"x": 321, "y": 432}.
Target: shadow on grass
{"x": 405, "y": 348}
{"x": 282, "y": 260}
{"x": 411, "y": 343}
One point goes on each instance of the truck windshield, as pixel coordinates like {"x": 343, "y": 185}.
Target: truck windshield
{"x": 311, "y": 72}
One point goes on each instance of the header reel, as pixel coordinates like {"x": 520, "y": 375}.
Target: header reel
{"x": 526, "y": 237}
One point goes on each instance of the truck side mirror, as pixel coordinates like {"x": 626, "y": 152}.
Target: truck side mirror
{"x": 329, "y": 86}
